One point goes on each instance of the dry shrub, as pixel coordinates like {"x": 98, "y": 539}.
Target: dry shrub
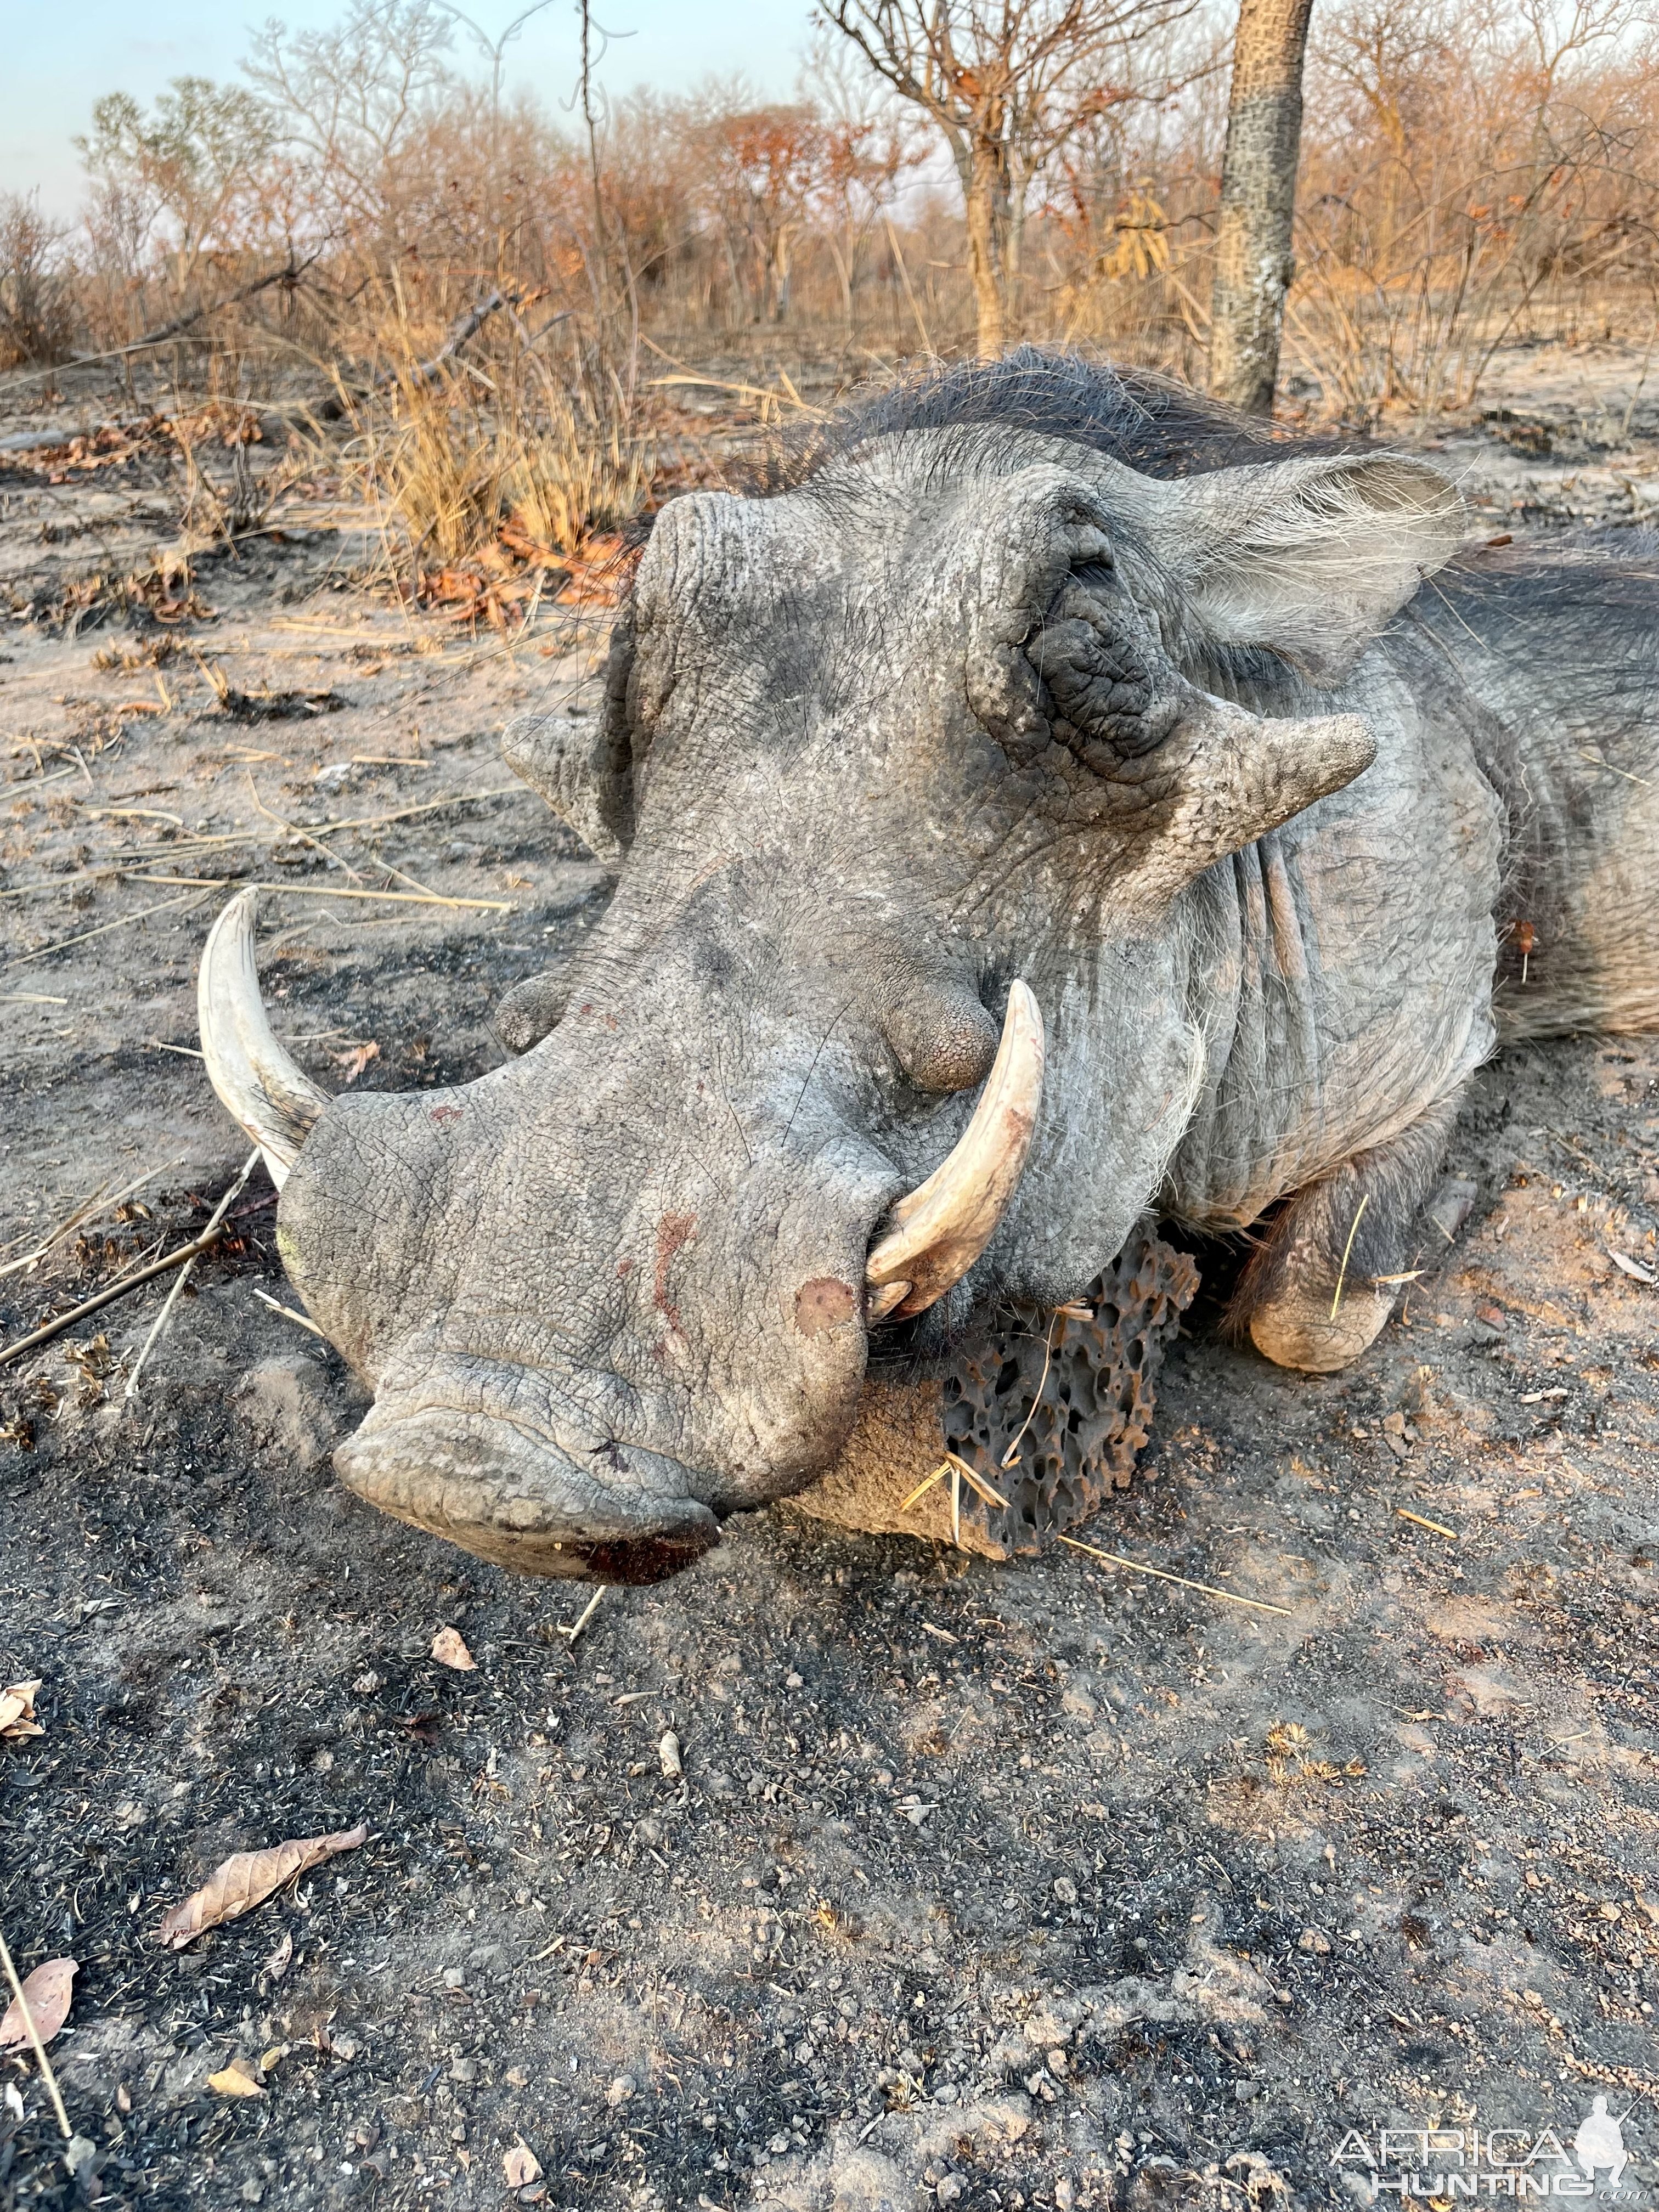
{"x": 486, "y": 475}
{"x": 1474, "y": 171}
{"x": 453, "y": 470}
{"x": 37, "y": 314}
{"x": 574, "y": 476}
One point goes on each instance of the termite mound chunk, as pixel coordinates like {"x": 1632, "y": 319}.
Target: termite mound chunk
{"x": 1068, "y": 1397}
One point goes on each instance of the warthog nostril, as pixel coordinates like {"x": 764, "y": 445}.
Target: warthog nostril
{"x": 824, "y": 1303}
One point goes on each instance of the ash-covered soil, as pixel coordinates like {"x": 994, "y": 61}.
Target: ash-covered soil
{"x": 1048, "y": 1884}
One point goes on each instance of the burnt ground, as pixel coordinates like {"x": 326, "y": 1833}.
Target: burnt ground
{"x": 1045, "y": 1884}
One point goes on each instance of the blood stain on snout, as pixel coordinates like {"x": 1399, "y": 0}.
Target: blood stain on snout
{"x": 822, "y": 1304}
{"x": 672, "y": 1231}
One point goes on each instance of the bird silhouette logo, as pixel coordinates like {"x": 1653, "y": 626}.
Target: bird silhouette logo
{"x": 1600, "y": 2142}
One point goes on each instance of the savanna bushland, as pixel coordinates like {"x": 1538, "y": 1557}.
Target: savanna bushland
{"x": 839, "y": 1872}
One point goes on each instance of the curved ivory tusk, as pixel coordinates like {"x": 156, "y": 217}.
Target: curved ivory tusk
{"x": 939, "y": 1230}
{"x": 262, "y": 1087}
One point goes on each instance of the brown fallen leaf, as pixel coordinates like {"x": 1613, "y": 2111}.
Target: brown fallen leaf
{"x": 449, "y": 1650}
{"x": 277, "y": 1963}
{"x": 17, "y": 1718}
{"x": 47, "y": 1989}
{"x": 231, "y": 2082}
{"x": 356, "y": 1060}
{"x": 246, "y": 1879}
{"x": 522, "y": 2166}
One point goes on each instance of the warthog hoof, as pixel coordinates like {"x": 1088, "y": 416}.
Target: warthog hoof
{"x": 1300, "y": 1331}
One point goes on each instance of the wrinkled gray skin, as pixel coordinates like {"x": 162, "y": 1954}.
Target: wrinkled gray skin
{"x": 966, "y": 705}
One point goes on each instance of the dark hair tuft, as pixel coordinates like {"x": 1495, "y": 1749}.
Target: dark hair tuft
{"x": 1148, "y": 421}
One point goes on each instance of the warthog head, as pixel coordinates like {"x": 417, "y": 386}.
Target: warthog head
{"x": 905, "y": 769}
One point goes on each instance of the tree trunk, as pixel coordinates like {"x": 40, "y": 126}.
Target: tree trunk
{"x": 981, "y": 262}
{"x": 1258, "y": 201}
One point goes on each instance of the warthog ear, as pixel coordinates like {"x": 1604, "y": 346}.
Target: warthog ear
{"x": 1310, "y": 558}
{"x": 583, "y": 765}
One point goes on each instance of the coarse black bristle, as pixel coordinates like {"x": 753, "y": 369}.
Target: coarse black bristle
{"x": 1148, "y": 421}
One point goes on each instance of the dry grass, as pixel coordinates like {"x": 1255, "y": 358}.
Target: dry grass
{"x": 483, "y": 477}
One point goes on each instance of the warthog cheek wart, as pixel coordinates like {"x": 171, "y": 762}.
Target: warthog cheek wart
{"x": 825, "y": 1303}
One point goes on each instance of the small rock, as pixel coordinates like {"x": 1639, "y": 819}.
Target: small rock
{"x": 1452, "y": 1204}
{"x": 521, "y": 2165}
{"x": 1065, "y": 1889}
{"x": 1054, "y": 2060}
{"x": 621, "y": 2089}
{"x": 366, "y": 1685}
{"x": 1312, "y": 1939}
{"x": 449, "y": 1650}
{"x": 1245, "y": 2090}
{"x": 454, "y": 1977}
{"x": 463, "y": 2069}
{"x": 81, "y": 2153}
{"x": 951, "y": 2188}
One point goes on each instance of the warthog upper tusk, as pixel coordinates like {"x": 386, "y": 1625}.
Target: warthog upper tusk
{"x": 937, "y": 1230}
{"x": 262, "y": 1087}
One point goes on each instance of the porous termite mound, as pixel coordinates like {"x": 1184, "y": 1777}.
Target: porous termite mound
{"x": 1064, "y": 1398}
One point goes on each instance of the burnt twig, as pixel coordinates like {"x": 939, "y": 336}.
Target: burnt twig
{"x": 180, "y": 1280}
{"x": 290, "y": 273}
{"x": 181, "y": 1258}
{"x": 424, "y": 372}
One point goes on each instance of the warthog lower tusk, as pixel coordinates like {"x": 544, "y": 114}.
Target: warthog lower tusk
{"x": 261, "y": 1084}
{"x": 937, "y": 1230}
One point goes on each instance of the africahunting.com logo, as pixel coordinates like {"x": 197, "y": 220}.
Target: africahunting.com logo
{"x": 1442, "y": 2166}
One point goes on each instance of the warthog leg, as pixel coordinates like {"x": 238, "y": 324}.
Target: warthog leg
{"x": 1319, "y": 1289}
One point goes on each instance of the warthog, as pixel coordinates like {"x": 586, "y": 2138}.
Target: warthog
{"x": 1044, "y": 802}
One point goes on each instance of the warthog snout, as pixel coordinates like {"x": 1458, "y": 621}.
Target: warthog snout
{"x": 584, "y": 1349}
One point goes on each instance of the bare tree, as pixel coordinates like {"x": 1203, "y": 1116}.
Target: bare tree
{"x": 1253, "y": 264}
{"x": 36, "y": 310}
{"x": 352, "y": 100}
{"x": 1007, "y": 84}
{"x": 191, "y": 169}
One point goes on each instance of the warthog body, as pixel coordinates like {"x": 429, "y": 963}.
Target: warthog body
{"x": 1284, "y": 808}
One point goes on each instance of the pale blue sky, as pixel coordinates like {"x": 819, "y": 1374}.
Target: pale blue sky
{"x": 61, "y": 55}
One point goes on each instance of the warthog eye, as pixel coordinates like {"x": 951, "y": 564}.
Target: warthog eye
{"x": 1111, "y": 687}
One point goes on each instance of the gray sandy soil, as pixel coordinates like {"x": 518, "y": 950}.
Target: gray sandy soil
{"x": 1047, "y": 1884}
